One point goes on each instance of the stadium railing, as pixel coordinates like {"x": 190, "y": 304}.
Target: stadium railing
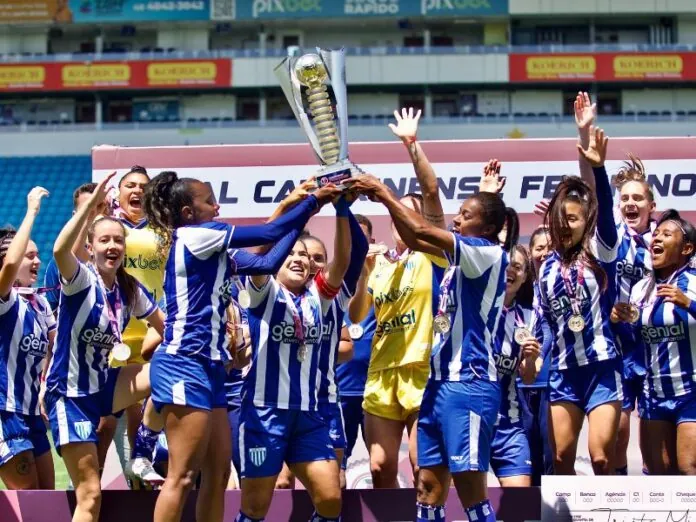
{"x": 366, "y": 120}
{"x": 170, "y": 54}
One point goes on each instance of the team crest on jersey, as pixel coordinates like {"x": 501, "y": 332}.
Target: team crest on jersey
{"x": 257, "y": 456}
{"x": 83, "y": 429}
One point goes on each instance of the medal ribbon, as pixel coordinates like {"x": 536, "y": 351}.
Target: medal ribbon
{"x": 30, "y": 293}
{"x": 297, "y": 315}
{"x": 575, "y": 297}
{"x": 115, "y": 315}
{"x": 444, "y": 291}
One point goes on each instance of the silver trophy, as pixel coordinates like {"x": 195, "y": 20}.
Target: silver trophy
{"x": 327, "y": 132}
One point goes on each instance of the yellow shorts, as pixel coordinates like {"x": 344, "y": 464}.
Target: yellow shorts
{"x": 395, "y": 393}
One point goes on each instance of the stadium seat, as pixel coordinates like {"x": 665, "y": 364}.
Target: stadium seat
{"x": 60, "y": 175}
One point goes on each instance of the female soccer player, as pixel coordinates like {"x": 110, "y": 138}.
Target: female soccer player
{"x": 336, "y": 345}
{"x": 516, "y": 352}
{"x": 534, "y": 397}
{"x": 188, "y": 369}
{"x": 635, "y": 229}
{"x": 144, "y": 262}
{"x": 577, "y": 294}
{"x": 97, "y": 300}
{"x": 463, "y": 393}
{"x": 27, "y": 331}
{"x": 662, "y": 315}
{"x": 401, "y": 292}
{"x": 280, "y": 417}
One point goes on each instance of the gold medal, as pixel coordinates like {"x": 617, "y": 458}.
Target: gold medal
{"x": 576, "y": 323}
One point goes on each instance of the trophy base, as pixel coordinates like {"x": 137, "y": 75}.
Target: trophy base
{"x": 337, "y": 173}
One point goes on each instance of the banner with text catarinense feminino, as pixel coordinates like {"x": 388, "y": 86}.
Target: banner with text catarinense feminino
{"x": 250, "y": 180}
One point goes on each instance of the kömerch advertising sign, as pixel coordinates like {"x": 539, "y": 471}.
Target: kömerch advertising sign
{"x": 250, "y": 180}
{"x": 143, "y": 74}
{"x": 607, "y": 67}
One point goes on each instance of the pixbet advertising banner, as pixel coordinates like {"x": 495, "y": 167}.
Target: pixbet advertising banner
{"x": 607, "y": 67}
{"x": 250, "y": 180}
{"x": 288, "y": 9}
{"x": 141, "y": 74}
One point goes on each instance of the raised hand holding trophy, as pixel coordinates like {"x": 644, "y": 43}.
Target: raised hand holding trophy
{"x": 327, "y": 132}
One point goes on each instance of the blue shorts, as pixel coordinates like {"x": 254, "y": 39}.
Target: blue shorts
{"x": 270, "y": 436}
{"x": 510, "y": 454}
{"x": 19, "y": 433}
{"x": 333, "y": 416}
{"x": 185, "y": 380}
{"x": 76, "y": 419}
{"x": 353, "y": 419}
{"x": 633, "y": 393}
{"x": 233, "y": 410}
{"x": 676, "y": 410}
{"x": 587, "y": 386}
{"x": 456, "y": 423}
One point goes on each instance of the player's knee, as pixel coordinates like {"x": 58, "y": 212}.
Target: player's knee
{"x": 184, "y": 479}
{"x": 329, "y": 504}
{"x": 687, "y": 466}
{"x": 89, "y": 496}
{"x": 600, "y": 464}
{"x": 383, "y": 470}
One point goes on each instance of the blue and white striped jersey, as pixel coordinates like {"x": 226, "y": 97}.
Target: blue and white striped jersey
{"x": 596, "y": 341}
{"x": 668, "y": 333}
{"x": 24, "y": 333}
{"x": 507, "y": 360}
{"x": 633, "y": 261}
{"x": 330, "y": 340}
{"x": 81, "y": 351}
{"x": 281, "y": 375}
{"x": 633, "y": 264}
{"x": 474, "y": 287}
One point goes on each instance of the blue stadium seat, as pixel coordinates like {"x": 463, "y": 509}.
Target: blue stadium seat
{"x": 60, "y": 175}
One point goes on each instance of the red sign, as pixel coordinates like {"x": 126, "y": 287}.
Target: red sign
{"x": 602, "y": 67}
{"x": 143, "y": 74}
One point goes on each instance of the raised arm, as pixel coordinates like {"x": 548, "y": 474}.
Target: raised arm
{"x": 18, "y": 246}
{"x": 414, "y": 230}
{"x": 595, "y": 155}
{"x": 360, "y": 304}
{"x": 585, "y": 113}
{"x": 406, "y": 129}
{"x": 63, "y": 247}
{"x": 358, "y": 253}
{"x": 249, "y": 263}
{"x": 336, "y": 270}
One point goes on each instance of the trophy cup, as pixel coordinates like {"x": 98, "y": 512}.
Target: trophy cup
{"x": 327, "y": 132}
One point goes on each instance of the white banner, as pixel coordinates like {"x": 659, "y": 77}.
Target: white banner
{"x": 254, "y": 192}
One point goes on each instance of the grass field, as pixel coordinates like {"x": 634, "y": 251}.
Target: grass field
{"x": 62, "y": 479}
